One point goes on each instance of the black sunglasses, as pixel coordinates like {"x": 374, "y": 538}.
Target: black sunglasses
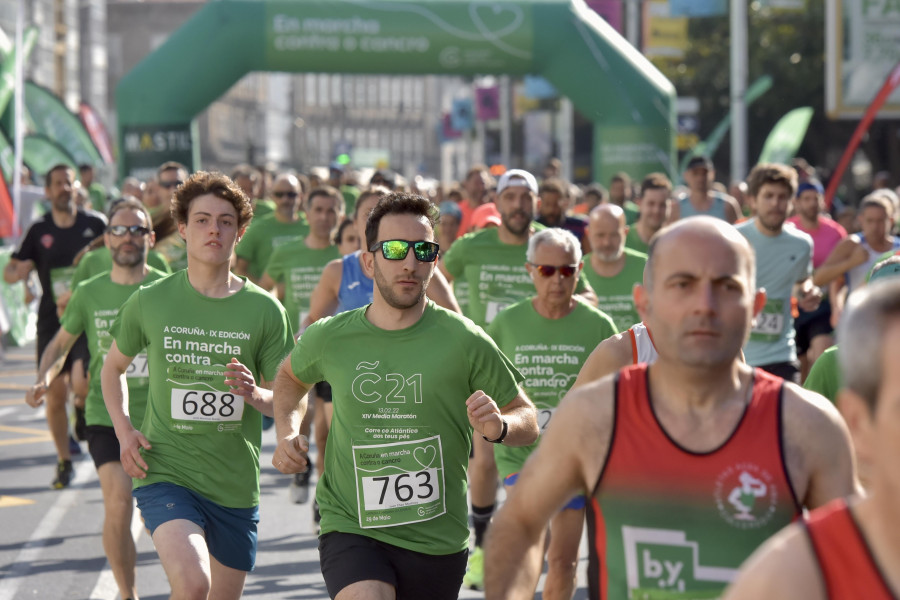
{"x": 171, "y": 184}
{"x": 283, "y": 194}
{"x": 398, "y": 249}
{"x": 120, "y": 230}
{"x": 550, "y": 270}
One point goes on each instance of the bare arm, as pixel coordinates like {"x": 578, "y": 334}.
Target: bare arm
{"x": 441, "y": 293}
{"x": 817, "y": 446}
{"x": 487, "y": 418}
{"x": 290, "y": 400}
{"x": 846, "y": 255}
{"x": 115, "y": 396}
{"x": 52, "y": 361}
{"x": 783, "y": 568}
{"x": 567, "y": 462}
{"x": 324, "y": 298}
{"x": 609, "y": 356}
{"x": 808, "y": 295}
{"x": 17, "y": 270}
{"x": 732, "y": 209}
{"x": 267, "y": 283}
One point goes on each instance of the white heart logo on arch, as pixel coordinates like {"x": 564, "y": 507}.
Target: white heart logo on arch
{"x": 425, "y": 455}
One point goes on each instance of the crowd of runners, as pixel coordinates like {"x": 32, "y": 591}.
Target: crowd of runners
{"x": 655, "y": 362}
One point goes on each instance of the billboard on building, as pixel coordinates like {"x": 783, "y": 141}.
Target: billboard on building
{"x": 862, "y": 46}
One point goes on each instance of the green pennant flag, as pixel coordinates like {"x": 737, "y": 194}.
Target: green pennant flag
{"x": 785, "y": 138}
{"x": 41, "y": 153}
{"x": 46, "y": 114}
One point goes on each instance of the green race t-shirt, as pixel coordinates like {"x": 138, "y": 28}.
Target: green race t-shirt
{"x": 300, "y": 269}
{"x": 633, "y": 240}
{"x": 92, "y": 311}
{"x": 263, "y": 208}
{"x": 614, "y": 293}
{"x": 263, "y": 236}
{"x": 824, "y": 376}
{"x": 204, "y": 437}
{"x": 399, "y": 443}
{"x": 100, "y": 260}
{"x": 495, "y": 272}
{"x": 549, "y": 353}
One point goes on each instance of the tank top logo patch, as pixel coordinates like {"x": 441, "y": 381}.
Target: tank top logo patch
{"x": 746, "y": 496}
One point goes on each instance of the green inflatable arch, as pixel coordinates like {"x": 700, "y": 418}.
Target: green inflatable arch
{"x": 630, "y": 103}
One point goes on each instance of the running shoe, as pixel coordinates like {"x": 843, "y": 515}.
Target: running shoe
{"x": 80, "y": 425}
{"x": 64, "y": 473}
{"x": 474, "y": 577}
{"x": 300, "y": 486}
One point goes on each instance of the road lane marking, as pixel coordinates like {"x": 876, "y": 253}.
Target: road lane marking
{"x": 32, "y": 548}
{"x": 106, "y": 587}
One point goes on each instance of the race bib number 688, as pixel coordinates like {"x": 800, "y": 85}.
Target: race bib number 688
{"x": 206, "y": 405}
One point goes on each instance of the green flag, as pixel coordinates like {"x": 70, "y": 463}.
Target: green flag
{"x": 41, "y": 153}
{"x": 46, "y": 114}
{"x": 785, "y": 138}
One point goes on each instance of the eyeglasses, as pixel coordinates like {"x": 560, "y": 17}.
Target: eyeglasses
{"x": 120, "y": 230}
{"x": 283, "y": 194}
{"x": 550, "y": 270}
{"x": 171, "y": 184}
{"x": 398, "y": 249}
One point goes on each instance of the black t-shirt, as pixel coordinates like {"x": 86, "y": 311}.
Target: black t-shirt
{"x": 52, "y": 247}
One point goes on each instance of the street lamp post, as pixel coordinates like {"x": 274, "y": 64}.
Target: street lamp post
{"x": 738, "y": 89}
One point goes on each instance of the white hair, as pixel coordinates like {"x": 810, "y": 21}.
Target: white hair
{"x": 556, "y": 236}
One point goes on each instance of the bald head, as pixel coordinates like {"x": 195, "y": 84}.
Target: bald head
{"x": 606, "y": 232}
{"x": 608, "y": 211}
{"x": 701, "y": 233}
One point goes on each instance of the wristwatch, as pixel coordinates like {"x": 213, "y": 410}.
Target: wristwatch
{"x": 503, "y": 433}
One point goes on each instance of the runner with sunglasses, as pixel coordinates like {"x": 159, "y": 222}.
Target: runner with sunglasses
{"x": 411, "y": 381}
{"x": 287, "y": 224}
{"x": 91, "y": 310}
{"x": 548, "y": 337}
{"x": 492, "y": 262}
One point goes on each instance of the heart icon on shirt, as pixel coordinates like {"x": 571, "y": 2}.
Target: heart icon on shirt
{"x": 425, "y": 455}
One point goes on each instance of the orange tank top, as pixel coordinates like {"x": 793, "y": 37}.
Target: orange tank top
{"x": 666, "y": 522}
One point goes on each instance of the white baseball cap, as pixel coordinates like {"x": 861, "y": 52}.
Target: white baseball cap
{"x": 515, "y": 177}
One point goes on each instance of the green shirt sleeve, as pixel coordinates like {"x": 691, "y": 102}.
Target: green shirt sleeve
{"x": 275, "y": 268}
{"x": 128, "y": 328}
{"x": 279, "y": 340}
{"x": 306, "y": 355}
{"x": 73, "y": 320}
{"x": 158, "y": 261}
{"x": 824, "y": 377}
{"x": 491, "y": 371}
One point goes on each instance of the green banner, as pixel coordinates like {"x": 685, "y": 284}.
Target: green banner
{"x": 426, "y": 37}
{"x": 785, "y": 138}
{"x": 46, "y": 114}
{"x": 41, "y": 153}
{"x": 145, "y": 147}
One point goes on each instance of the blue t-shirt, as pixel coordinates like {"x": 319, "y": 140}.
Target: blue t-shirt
{"x": 781, "y": 261}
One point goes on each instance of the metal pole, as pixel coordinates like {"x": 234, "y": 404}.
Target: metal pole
{"x": 18, "y": 129}
{"x": 505, "y": 122}
{"x": 633, "y": 22}
{"x": 738, "y": 89}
